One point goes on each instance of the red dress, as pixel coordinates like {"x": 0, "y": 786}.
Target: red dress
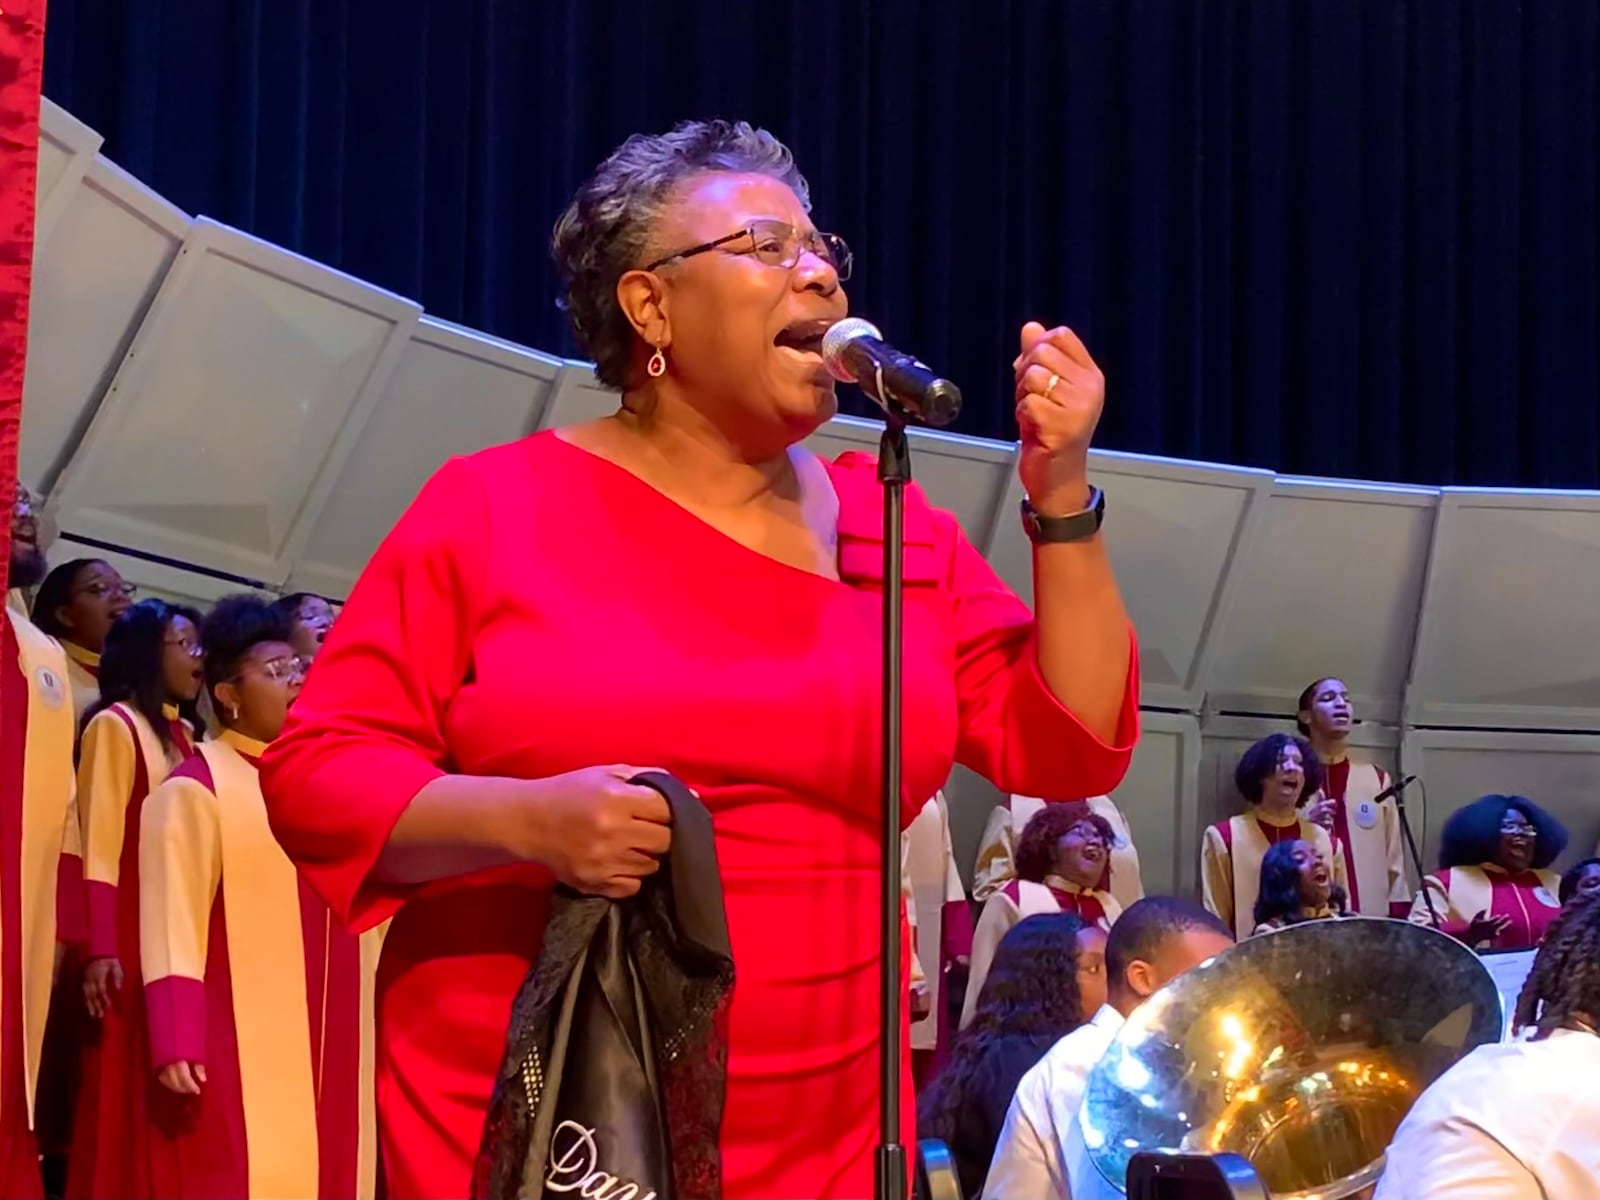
{"x": 539, "y": 610}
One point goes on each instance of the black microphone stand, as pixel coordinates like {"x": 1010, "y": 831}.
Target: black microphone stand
{"x": 1416, "y": 855}
{"x": 894, "y": 472}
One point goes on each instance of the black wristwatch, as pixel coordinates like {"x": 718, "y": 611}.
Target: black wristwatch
{"x": 1075, "y": 528}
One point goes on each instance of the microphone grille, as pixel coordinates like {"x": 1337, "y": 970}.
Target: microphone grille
{"x": 840, "y": 334}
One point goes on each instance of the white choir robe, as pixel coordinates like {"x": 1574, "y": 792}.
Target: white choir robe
{"x": 1030, "y": 1162}
{"x": 997, "y": 852}
{"x": 1510, "y": 1121}
{"x": 931, "y": 880}
{"x": 1368, "y": 833}
{"x": 1230, "y": 862}
{"x": 1021, "y": 898}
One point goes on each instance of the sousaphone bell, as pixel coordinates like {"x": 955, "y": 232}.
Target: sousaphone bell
{"x": 1300, "y": 1050}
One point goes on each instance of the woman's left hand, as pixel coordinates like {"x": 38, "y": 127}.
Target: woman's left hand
{"x": 1060, "y": 392}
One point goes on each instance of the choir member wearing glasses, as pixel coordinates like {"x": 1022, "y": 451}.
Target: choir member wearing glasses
{"x": 143, "y": 726}
{"x": 1494, "y": 889}
{"x": 682, "y": 585}
{"x": 77, "y": 604}
{"x": 258, "y": 1002}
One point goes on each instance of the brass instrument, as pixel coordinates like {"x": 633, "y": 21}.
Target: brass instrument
{"x": 1300, "y": 1050}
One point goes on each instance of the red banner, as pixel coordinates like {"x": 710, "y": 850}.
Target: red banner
{"x": 21, "y": 68}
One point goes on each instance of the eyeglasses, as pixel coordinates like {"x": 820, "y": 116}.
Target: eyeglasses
{"x": 1514, "y": 826}
{"x": 191, "y": 649}
{"x": 101, "y": 590}
{"x": 1086, "y": 833}
{"x": 774, "y": 244}
{"x": 285, "y": 670}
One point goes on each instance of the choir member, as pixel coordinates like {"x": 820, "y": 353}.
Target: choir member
{"x": 1047, "y": 979}
{"x": 1061, "y": 859}
{"x": 1365, "y": 830}
{"x": 144, "y": 724}
{"x": 310, "y": 619}
{"x": 1276, "y": 777}
{"x": 996, "y": 862}
{"x": 682, "y": 585}
{"x": 1494, "y": 889}
{"x": 941, "y": 922}
{"x": 38, "y": 849}
{"x": 1296, "y": 886}
{"x": 77, "y": 604}
{"x": 1040, "y": 1154}
{"x": 258, "y": 1003}
{"x": 1580, "y": 879}
{"x": 1519, "y": 1118}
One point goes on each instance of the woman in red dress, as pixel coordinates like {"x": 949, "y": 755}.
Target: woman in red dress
{"x": 682, "y": 586}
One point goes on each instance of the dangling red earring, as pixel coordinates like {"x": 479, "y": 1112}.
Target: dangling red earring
{"x": 657, "y": 366}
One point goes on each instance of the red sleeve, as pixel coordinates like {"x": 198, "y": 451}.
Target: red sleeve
{"x": 366, "y": 734}
{"x": 1013, "y": 731}
{"x": 72, "y": 922}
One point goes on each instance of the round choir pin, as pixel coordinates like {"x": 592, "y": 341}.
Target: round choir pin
{"x": 1367, "y": 814}
{"x": 1543, "y": 896}
{"x": 52, "y": 690}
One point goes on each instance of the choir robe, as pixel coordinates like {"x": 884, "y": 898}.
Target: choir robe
{"x": 1230, "y": 862}
{"x": 120, "y": 761}
{"x": 38, "y": 853}
{"x": 246, "y": 972}
{"x": 1021, "y": 898}
{"x": 996, "y": 862}
{"x": 1529, "y": 898}
{"x": 1368, "y": 835}
{"x": 83, "y": 674}
{"x": 937, "y": 909}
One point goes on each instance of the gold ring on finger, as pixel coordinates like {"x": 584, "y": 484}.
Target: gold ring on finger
{"x": 1051, "y": 386}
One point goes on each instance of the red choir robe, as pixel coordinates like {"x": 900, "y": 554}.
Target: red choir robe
{"x": 996, "y": 863}
{"x": 1021, "y": 898}
{"x": 1531, "y": 899}
{"x": 1368, "y": 835}
{"x": 83, "y": 673}
{"x": 1230, "y": 862}
{"x": 755, "y": 683}
{"x": 38, "y": 852}
{"x": 120, "y": 760}
{"x": 938, "y": 915}
{"x": 246, "y": 972}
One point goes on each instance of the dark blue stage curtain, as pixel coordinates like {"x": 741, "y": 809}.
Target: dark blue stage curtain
{"x": 1323, "y": 236}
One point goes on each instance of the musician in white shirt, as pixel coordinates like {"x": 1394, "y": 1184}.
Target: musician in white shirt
{"x": 1518, "y": 1120}
{"x": 1154, "y": 940}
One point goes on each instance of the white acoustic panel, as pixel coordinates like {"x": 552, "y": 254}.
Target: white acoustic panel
{"x": 453, "y": 392}
{"x": 1331, "y": 585}
{"x": 1174, "y": 532}
{"x": 1558, "y": 772}
{"x": 965, "y": 475}
{"x": 578, "y": 396}
{"x": 1223, "y": 741}
{"x": 1510, "y": 632}
{"x": 1160, "y": 796}
{"x": 67, "y": 147}
{"x": 235, "y": 408}
{"x": 92, "y": 285}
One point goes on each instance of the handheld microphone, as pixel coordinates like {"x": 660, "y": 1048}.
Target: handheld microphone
{"x": 855, "y": 352}
{"x": 1394, "y": 789}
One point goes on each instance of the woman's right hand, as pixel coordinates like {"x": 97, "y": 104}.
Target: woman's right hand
{"x": 600, "y": 834}
{"x": 102, "y": 983}
{"x": 184, "y": 1078}
{"x": 1485, "y": 928}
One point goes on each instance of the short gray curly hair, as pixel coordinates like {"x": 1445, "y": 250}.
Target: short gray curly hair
{"x": 607, "y": 228}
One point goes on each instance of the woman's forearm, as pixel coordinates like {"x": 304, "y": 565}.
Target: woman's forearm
{"x": 459, "y": 824}
{"x": 1082, "y": 625}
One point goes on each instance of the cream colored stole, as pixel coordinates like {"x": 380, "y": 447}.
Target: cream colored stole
{"x": 48, "y": 789}
{"x": 931, "y": 881}
{"x": 1370, "y": 828}
{"x": 266, "y": 963}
